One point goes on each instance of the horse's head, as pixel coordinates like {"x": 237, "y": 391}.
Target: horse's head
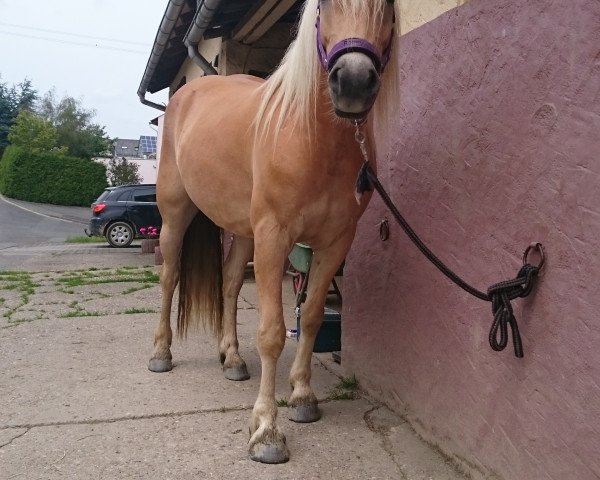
{"x": 354, "y": 42}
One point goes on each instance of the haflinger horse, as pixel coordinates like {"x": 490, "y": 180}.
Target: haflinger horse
{"x": 274, "y": 162}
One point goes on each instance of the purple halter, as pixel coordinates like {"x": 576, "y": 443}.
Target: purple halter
{"x": 349, "y": 45}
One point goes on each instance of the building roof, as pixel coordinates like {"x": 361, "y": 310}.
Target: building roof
{"x": 126, "y": 147}
{"x": 230, "y": 16}
{"x": 175, "y": 52}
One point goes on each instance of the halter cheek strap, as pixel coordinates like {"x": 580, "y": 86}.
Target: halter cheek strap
{"x": 349, "y": 45}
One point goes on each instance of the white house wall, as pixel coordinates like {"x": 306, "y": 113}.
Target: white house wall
{"x": 148, "y": 168}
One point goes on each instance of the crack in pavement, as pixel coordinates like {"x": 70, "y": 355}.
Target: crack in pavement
{"x": 378, "y": 422}
{"x": 98, "y": 421}
{"x": 16, "y": 436}
{"x": 381, "y": 432}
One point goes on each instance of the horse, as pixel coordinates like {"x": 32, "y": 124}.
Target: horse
{"x": 274, "y": 162}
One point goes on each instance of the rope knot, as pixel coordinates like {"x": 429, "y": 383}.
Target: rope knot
{"x": 500, "y": 295}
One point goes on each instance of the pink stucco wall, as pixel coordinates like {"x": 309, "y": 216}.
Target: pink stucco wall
{"x": 496, "y": 143}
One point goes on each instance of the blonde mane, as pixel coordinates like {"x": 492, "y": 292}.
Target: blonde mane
{"x": 291, "y": 91}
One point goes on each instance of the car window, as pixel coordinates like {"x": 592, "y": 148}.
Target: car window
{"x": 124, "y": 196}
{"x": 103, "y": 195}
{"x": 145, "y": 195}
{"x": 118, "y": 195}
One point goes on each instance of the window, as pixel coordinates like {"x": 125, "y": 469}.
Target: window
{"x": 145, "y": 195}
{"x": 103, "y": 196}
{"x": 123, "y": 196}
{"x": 119, "y": 195}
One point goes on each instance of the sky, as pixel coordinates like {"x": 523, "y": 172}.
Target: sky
{"x": 92, "y": 50}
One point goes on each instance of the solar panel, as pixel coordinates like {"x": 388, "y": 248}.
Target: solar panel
{"x": 147, "y": 144}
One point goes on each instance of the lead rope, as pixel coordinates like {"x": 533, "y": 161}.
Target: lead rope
{"x": 499, "y": 294}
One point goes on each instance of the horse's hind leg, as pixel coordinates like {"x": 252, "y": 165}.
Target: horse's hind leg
{"x": 233, "y": 278}
{"x": 177, "y": 212}
{"x": 302, "y": 405}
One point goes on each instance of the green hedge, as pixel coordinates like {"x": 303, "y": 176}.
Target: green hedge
{"x": 50, "y": 177}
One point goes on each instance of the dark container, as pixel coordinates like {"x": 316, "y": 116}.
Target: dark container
{"x": 329, "y": 338}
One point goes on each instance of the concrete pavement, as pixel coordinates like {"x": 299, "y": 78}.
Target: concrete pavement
{"x": 78, "y": 400}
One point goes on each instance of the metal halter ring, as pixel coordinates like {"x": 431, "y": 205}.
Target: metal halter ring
{"x": 359, "y": 136}
{"x": 540, "y": 250}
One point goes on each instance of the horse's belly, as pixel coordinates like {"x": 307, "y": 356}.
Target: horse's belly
{"x": 222, "y": 195}
{"x": 213, "y": 155}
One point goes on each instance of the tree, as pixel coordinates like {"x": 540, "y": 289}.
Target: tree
{"x": 122, "y": 172}
{"x": 13, "y": 100}
{"x": 26, "y": 97}
{"x": 74, "y": 126}
{"x": 33, "y": 133}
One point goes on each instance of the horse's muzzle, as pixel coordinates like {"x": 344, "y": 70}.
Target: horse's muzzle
{"x": 353, "y": 83}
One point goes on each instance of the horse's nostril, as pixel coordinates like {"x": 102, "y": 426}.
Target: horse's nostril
{"x": 334, "y": 76}
{"x": 373, "y": 80}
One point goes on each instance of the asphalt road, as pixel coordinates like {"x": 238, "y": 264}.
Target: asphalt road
{"x": 28, "y": 224}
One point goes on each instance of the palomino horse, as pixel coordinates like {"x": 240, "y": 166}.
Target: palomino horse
{"x": 274, "y": 162}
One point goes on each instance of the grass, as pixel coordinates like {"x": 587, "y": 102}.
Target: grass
{"x": 131, "y": 311}
{"x": 135, "y": 289}
{"x": 85, "y": 239}
{"x": 14, "y": 323}
{"x": 20, "y": 281}
{"x": 282, "y": 402}
{"x": 346, "y": 389}
{"x": 122, "y": 275}
{"x": 81, "y": 313}
{"x": 21, "y": 286}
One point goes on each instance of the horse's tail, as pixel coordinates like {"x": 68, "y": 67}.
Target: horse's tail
{"x": 201, "y": 277}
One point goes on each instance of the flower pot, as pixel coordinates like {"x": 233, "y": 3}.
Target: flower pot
{"x": 149, "y": 244}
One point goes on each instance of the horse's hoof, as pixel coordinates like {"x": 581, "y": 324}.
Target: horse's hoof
{"x": 237, "y": 374}
{"x": 306, "y": 413}
{"x": 160, "y": 365}
{"x": 270, "y": 452}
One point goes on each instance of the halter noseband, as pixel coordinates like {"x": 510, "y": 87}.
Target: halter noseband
{"x": 349, "y": 45}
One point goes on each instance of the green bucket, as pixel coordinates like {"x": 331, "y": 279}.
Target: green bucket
{"x": 300, "y": 257}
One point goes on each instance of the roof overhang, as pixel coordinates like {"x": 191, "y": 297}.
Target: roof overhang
{"x": 243, "y": 20}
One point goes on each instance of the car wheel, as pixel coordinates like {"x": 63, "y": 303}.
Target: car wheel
{"x": 119, "y": 234}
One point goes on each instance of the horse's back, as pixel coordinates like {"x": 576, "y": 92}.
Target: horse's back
{"x": 210, "y": 97}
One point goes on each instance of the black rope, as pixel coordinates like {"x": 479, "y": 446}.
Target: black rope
{"x": 500, "y": 294}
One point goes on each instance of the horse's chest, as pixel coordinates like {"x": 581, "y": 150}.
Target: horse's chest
{"x": 330, "y": 212}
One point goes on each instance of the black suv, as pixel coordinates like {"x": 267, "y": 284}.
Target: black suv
{"x": 123, "y": 213}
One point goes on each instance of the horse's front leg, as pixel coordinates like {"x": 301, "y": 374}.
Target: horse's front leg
{"x": 267, "y": 442}
{"x": 303, "y": 405}
{"x": 233, "y": 278}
